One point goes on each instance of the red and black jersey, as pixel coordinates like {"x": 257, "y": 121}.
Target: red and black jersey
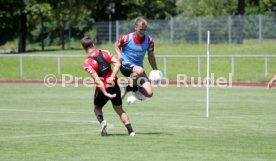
{"x": 91, "y": 65}
{"x": 104, "y": 67}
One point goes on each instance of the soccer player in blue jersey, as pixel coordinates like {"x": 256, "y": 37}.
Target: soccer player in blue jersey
{"x": 131, "y": 49}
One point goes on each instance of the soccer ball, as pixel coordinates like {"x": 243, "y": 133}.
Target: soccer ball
{"x": 131, "y": 99}
{"x": 155, "y": 75}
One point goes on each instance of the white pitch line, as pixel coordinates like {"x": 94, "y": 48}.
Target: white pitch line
{"x": 131, "y": 113}
{"x": 229, "y": 117}
{"x": 191, "y": 127}
{"x": 42, "y": 111}
{"x": 7, "y": 138}
{"x": 107, "y": 113}
{"x": 57, "y": 120}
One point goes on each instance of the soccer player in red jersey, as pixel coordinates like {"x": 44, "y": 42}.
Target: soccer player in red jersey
{"x": 98, "y": 65}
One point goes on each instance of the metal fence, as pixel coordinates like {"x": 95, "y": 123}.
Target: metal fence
{"x": 165, "y": 65}
{"x": 224, "y": 29}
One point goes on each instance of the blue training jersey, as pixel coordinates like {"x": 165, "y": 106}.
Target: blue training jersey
{"x": 134, "y": 53}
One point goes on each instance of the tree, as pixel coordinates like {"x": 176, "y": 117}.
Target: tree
{"x": 10, "y": 11}
{"x": 22, "y": 29}
{"x": 206, "y": 7}
{"x": 68, "y": 13}
{"x": 240, "y": 13}
{"x": 38, "y": 12}
{"x": 150, "y": 9}
{"x": 268, "y": 6}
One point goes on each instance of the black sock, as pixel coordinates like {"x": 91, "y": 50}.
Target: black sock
{"x": 129, "y": 128}
{"x": 134, "y": 88}
{"x": 128, "y": 88}
{"x": 100, "y": 118}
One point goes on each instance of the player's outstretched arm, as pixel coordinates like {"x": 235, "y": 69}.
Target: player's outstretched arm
{"x": 118, "y": 51}
{"x": 152, "y": 60}
{"x": 116, "y": 68}
{"x": 270, "y": 83}
{"x": 100, "y": 84}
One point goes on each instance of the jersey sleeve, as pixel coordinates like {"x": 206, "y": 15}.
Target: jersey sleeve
{"x": 90, "y": 66}
{"x": 107, "y": 55}
{"x": 123, "y": 40}
{"x": 151, "y": 44}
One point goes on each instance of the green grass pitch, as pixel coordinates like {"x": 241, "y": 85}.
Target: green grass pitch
{"x": 38, "y": 123}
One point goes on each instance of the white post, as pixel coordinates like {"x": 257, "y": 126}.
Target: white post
{"x": 171, "y": 30}
{"x": 208, "y": 74}
{"x": 260, "y": 29}
{"x": 233, "y": 65}
{"x": 110, "y": 28}
{"x": 199, "y": 30}
{"x": 165, "y": 66}
{"x": 117, "y": 30}
{"x": 266, "y": 68}
{"x": 229, "y": 29}
{"x": 58, "y": 63}
{"x": 21, "y": 66}
{"x": 198, "y": 66}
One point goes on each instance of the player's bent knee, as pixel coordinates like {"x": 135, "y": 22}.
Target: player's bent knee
{"x": 138, "y": 70}
{"x": 147, "y": 89}
{"x": 141, "y": 81}
{"x": 149, "y": 94}
{"x": 134, "y": 75}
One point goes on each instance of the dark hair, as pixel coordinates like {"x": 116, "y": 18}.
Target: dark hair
{"x": 87, "y": 43}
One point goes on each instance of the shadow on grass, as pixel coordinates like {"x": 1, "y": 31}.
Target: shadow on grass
{"x": 141, "y": 133}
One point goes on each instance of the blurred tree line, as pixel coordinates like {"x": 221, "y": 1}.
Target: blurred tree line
{"x": 46, "y": 21}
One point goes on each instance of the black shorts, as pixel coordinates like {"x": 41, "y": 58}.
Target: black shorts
{"x": 127, "y": 70}
{"x": 100, "y": 99}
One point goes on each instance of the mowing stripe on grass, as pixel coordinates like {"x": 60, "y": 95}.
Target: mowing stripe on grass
{"x": 39, "y": 111}
{"x": 107, "y": 113}
{"x": 8, "y": 138}
{"x": 132, "y": 113}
